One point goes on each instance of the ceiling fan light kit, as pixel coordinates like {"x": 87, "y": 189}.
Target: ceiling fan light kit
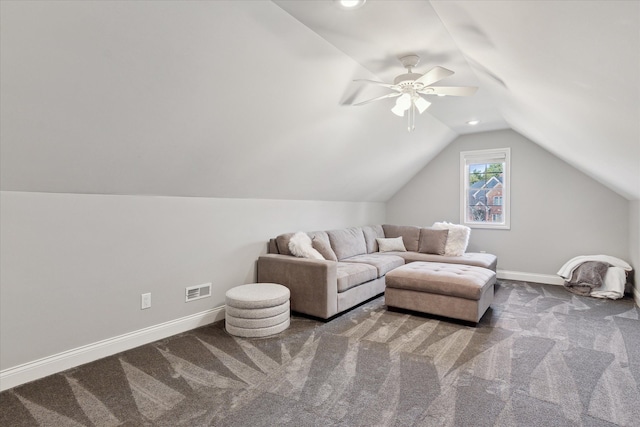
{"x": 409, "y": 88}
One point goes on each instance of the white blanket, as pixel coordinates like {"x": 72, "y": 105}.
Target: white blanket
{"x": 613, "y": 286}
{"x": 614, "y": 280}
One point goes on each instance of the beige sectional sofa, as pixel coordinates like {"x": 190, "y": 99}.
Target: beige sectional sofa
{"x": 354, "y": 269}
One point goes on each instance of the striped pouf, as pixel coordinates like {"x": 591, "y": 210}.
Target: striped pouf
{"x": 257, "y": 310}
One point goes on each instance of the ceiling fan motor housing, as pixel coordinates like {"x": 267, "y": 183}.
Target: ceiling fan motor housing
{"x": 410, "y": 61}
{"x": 407, "y": 79}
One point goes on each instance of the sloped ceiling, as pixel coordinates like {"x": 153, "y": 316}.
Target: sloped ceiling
{"x": 253, "y": 99}
{"x": 565, "y": 74}
{"x": 570, "y": 73}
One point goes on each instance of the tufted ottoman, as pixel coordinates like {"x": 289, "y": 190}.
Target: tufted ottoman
{"x": 257, "y": 310}
{"x": 452, "y": 290}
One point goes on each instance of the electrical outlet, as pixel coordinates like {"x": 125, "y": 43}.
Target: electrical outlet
{"x": 145, "y": 301}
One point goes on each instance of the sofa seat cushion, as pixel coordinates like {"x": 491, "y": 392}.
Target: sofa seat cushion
{"x": 457, "y": 280}
{"x": 347, "y": 242}
{"x": 474, "y": 259}
{"x": 384, "y": 263}
{"x": 352, "y": 274}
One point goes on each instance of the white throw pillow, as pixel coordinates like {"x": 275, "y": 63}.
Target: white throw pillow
{"x": 300, "y": 246}
{"x": 391, "y": 244}
{"x": 457, "y": 239}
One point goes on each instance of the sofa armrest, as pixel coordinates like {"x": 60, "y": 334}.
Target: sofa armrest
{"x": 313, "y": 283}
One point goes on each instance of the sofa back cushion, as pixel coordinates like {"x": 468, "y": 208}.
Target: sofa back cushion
{"x": 371, "y": 233}
{"x": 347, "y": 242}
{"x": 410, "y": 235}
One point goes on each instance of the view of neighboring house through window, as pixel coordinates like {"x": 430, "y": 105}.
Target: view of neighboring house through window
{"x": 484, "y": 192}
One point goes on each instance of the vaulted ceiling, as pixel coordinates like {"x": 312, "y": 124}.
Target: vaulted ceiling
{"x": 566, "y": 74}
{"x": 254, "y": 99}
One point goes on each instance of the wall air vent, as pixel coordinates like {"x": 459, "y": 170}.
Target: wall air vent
{"x": 196, "y": 292}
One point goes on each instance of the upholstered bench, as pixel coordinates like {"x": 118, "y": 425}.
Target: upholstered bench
{"x": 451, "y": 290}
{"x": 257, "y": 310}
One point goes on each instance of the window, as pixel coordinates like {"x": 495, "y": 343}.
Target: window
{"x": 484, "y": 190}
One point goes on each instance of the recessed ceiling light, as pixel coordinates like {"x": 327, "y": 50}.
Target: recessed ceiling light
{"x": 473, "y": 122}
{"x": 350, "y": 4}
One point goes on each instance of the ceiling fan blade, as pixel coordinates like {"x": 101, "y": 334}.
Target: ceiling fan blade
{"x": 421, "y": 103}
{"x": 375, "y": 82}
{"x": 389, "y": 95}
{"x": 450, "y": 90}
{"x": 433, "y": 75}
{"x": 402, "y": 104}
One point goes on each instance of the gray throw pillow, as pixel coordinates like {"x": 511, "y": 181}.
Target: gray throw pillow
{"x": 433, "y": 241}
{"x": 410, "y": 234}
{"x": 282, "y": 241}
{"x": 324, "y": 248}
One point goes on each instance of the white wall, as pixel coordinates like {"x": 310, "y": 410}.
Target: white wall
{"x": 73, "y": 266}
{"x": 557, "y": 212}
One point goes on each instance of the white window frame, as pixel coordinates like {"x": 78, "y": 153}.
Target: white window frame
{"x": 486, "y": 156}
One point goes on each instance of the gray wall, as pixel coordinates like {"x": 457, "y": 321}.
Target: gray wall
{"x": 73, "y": 266}
{"x": 634, "y": 243}
{"x": 104, "y": 102}
{"x": 192, "y": 98}
{"x": 557, "y": 212}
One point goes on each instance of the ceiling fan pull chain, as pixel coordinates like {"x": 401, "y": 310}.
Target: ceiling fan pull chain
{"x": 411, "y": 118}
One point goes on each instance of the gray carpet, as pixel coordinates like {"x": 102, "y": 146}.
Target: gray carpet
{"x": 539, "y": 357}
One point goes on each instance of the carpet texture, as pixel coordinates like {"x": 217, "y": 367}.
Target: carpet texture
{"x": 539, "y": 357}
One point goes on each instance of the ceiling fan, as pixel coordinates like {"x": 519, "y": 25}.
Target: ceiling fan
{"x": 409, "y": 88}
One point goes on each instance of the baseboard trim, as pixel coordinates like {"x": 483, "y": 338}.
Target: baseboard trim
{"x": 49, "y": 365}
{"x": 530, "y": 277}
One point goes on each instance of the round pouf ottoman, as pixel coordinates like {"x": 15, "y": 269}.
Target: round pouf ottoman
{"x": 257, "y": 310}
